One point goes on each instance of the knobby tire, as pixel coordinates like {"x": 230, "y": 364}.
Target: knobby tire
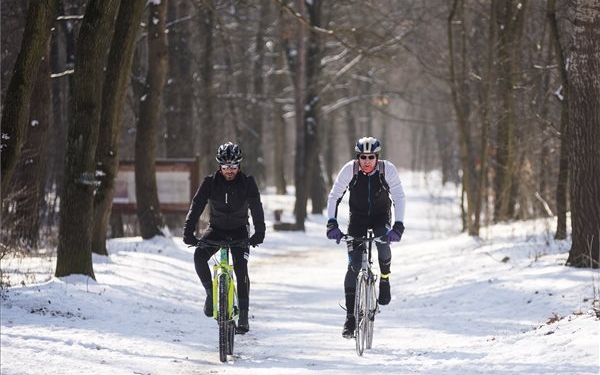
{"x": 222, "y": 319}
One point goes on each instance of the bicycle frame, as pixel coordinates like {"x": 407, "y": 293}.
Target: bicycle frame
{"x": 365, "y": 302}
{"x": 223, "y": 267}
{"x": 225, "y": 302}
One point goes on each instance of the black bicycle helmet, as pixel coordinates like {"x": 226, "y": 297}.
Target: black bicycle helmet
{"x": 367, "y": 145}
{"x": 229, "y": 153}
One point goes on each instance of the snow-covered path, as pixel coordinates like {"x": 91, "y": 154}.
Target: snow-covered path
{"x": 460, "y": 306}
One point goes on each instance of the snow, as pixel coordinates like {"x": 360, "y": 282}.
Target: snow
{"x": 501, "y": 304}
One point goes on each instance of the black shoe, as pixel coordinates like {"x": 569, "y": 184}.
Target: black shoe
{"x": 243, "y": 326}
{"x": 208, "y": 306}
{"x": 349, "y": 327}
{"x": 384, "y": 291}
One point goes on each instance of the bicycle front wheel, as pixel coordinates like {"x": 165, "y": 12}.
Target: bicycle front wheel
{"x": 222, "y": 319}
{"x": 372, "y": 310}
{"x": 360, "y": 313}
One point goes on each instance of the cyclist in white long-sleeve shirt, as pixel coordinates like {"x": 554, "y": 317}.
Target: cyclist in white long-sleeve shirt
{"x": 375, "y": 188}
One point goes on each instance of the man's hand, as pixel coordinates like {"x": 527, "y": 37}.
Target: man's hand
{"x": 333, "y": 231}
{"x": 395, "y": 234}
{"x": 256, "y": 239}
{"x": 190, "y": 239}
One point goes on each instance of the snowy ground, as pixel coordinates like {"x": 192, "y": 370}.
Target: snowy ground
{"x": 502, "y": 304}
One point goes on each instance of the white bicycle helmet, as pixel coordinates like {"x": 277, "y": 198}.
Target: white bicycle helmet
{"x": 367, "y": 145}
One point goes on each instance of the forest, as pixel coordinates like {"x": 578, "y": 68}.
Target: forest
{"x": 501, "y": 96}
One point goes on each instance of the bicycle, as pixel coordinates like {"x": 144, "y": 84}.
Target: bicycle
{"x": 225, "y": 302}
{"x": 365, "y": 302}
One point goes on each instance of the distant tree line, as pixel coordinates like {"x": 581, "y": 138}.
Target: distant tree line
{"x": 501, "y": 97}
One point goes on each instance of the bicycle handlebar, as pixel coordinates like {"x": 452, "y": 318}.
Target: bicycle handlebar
{"x": 380, "y": 239}
{"x": 224, "y": 243}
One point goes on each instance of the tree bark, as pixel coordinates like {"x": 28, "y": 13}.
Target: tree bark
{"x": 562, "y": 182}
{"x": 509, "y": 25}
{"x": 146, "y": 190}
{"x": 315, "y": 183}
{"x": 29, "y": 178}
{"x": 299, "y": 77}
{"x": 583, "y": 76}
{"x": 114, "y": 93}
{"x": 459, "y": 92}
{"x": 179, "y": 92}
{"x": 74, "y": 253}
{"x": 40, "y": 18}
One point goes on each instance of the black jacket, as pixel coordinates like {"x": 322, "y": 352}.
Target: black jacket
{"x": 369, "y": 196}
{"x": 229, "y": 202}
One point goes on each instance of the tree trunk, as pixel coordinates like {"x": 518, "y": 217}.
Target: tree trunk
{"x": 583, "y": 76}
{"x": 254, "y": 135}
{"x": 300, "y": 170}
{"x": 74, "y": 253}
{"x": 146, "y": 191}
{"x": 563, "y": 168}
{"x": 207, "y": 117}
{"x": 315, "y": 183}
{"x": 179, "y": 92}
{"x": 29, "y": 177}
{"x": 509, "y": 21}
{"x": 279, "y": 150}
{"x": 40, "y": 18}
{"x": 459, "y": 91}
{"x": 113, "y": 102}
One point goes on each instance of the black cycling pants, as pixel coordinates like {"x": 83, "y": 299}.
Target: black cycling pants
{"x": 239, "y": 255}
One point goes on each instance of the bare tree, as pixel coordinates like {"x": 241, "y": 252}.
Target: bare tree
{"x": 563, "y": 173}
{"x": 296, "y": 54}
{"x": 146, "y": 190}
{"x": 179, "y": 90}
{"x": 74, "y": 252}
{"x": 40, "y": 18}
{"x": 29, "y": 177}
{"x": 583, "y": 76}
{"x": 114, "y": 92}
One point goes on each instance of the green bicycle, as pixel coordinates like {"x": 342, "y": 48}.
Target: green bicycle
{"x": 225, "y": 300}
{"x": 365, "y": 302}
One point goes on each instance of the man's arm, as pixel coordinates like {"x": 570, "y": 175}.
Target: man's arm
{"x": 196, "y": 208}
{"x": 396, "y": 190}
{"x": 339, "y": 188}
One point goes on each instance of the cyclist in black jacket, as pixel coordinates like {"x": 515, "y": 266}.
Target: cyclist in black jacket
{"x": 230, "y": 193}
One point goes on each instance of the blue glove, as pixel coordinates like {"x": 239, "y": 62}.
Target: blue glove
{"x": 333, "y": 231}
{"x": 395, "y": 234}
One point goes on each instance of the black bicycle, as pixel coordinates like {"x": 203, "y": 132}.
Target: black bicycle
{"x": 365, "y": 303}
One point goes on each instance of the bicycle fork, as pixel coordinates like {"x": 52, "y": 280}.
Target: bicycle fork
{"x": 232, "y": 308}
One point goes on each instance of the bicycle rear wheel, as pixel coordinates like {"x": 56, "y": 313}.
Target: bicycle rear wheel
{"x": 372, "y": 311}
{"x": 360, "y": 313}
{"x": 222, "y": 319}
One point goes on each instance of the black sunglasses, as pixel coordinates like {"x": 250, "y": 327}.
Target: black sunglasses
{"x": 365, "y": 157}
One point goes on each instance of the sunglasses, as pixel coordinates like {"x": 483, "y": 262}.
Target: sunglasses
{"x": 226, "y": 167}
{"x": 365, "y": 157}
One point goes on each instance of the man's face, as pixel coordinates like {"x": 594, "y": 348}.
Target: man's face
{"x": 367, "y": 162}
{"x": 229, "y": 171}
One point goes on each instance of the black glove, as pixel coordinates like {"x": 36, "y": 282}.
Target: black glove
{"x": 395, "y": 234}
{"x": 190, "y": 239}
{"x": 333, "y": 231}
{"x": 256, "y": 238}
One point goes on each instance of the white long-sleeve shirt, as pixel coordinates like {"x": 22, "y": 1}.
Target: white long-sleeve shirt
{"x": 345, "y": 176}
